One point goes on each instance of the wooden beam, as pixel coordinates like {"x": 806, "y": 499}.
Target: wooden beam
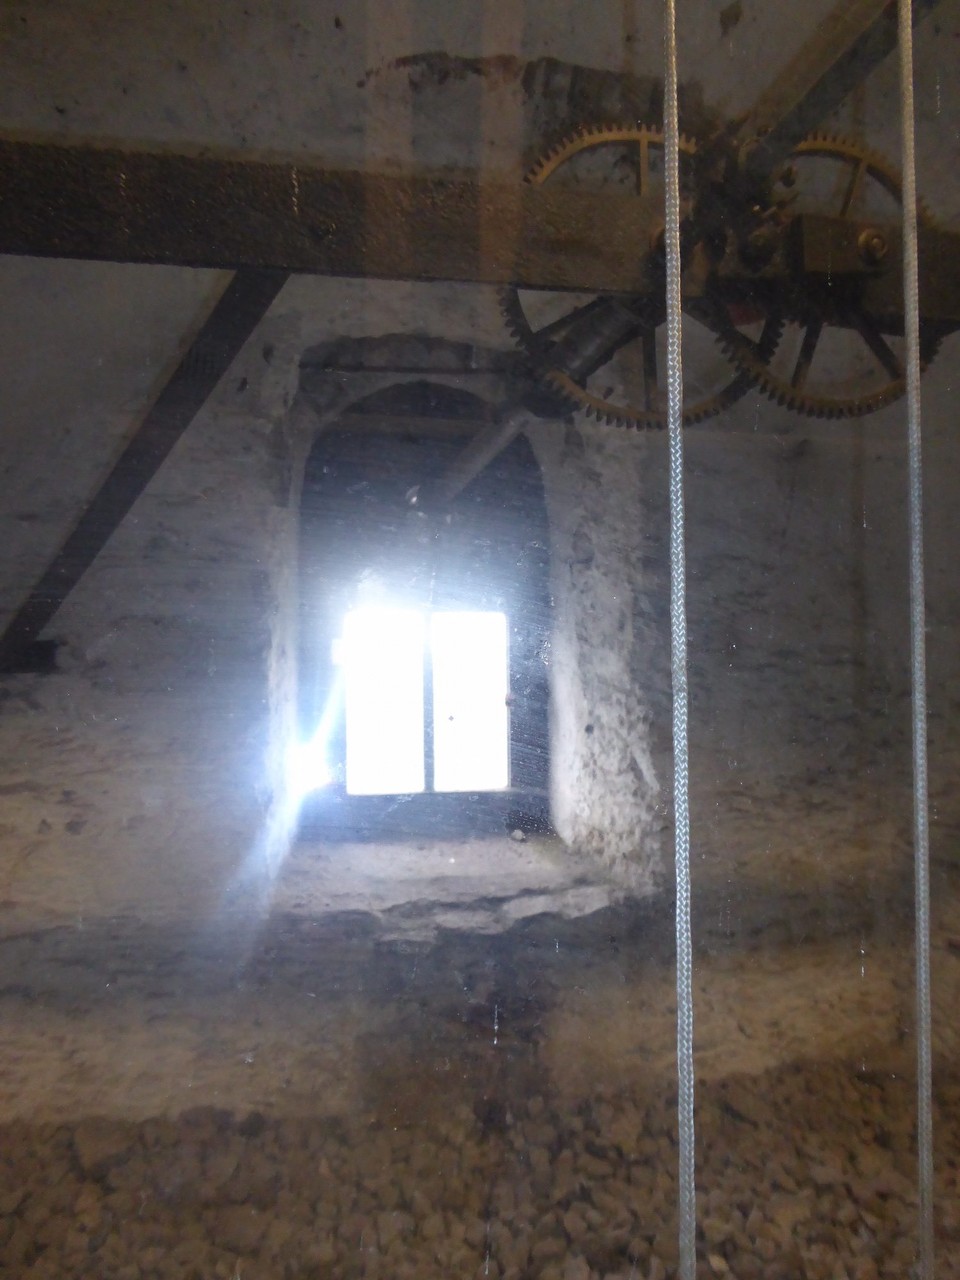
{"x": 841, "y": 53}
{"x": 108, "y": 204}
{"x": 236, "y": 315}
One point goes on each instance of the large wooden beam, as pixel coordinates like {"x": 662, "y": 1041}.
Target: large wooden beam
{"x": 118, "y": 205}
{"x": 126, "y": 205}
{"x": 237, "y": 313}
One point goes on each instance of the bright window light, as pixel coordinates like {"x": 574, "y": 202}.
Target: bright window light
{"x": 307, "y": 768}
{"x": 382, "y": 655}
{"x": 382, "y": 662}
{"x": 471, "y": 728}
{"x": 308, "y": 763}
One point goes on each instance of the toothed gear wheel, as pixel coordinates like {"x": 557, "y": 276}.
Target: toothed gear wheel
{"x": 625, "y": 153}
{"x": 788, "y": 375}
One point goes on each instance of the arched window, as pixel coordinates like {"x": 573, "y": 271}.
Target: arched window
{"x": 423, "y": 635}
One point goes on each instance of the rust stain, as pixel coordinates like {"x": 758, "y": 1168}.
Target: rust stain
{"x": 434, "y": 68}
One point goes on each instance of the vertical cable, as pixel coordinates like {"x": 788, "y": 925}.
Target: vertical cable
{"x": 911, "y": 299}
{"x": 687, "y": 1208}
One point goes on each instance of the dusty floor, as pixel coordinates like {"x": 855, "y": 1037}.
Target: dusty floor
{"x": 390, "y": 1071}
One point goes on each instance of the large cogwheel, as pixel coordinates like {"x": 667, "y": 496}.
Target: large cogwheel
{"x": 834, "y": 360}
{"x": 604, "y": 354}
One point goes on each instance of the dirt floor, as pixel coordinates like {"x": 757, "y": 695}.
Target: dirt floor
{"x": 391, "y": 1070}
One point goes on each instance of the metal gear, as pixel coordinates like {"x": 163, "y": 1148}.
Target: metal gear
{"x": 543, "y": 342}
{"x": 813, "y": 316}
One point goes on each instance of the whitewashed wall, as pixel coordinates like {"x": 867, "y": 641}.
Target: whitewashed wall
{"x": 153, "y": 760}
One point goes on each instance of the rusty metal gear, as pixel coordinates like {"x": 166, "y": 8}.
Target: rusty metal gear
{"x": 815, "y": 316}
{"x": 544, "y": 343}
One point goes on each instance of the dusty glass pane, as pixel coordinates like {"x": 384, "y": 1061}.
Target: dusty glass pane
{"x": 309, "y": 308}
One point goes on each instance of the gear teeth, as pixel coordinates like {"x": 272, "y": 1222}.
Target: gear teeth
{"x": 781, "y": 399}
{"x": 513, "y": 317}
{"x": 877, "y": 164}
{"x": 750, "y": 361}
{"x": 596, "y": 134}
{"x": 579, "y": 399}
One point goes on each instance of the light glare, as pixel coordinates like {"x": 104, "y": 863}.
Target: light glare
{"x": 382, "y": 662}
{"x": 471, "y": 727}
{"x": 307, "y": 768}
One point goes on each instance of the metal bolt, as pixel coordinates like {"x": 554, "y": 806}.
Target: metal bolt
{"x": 872, "y": 245}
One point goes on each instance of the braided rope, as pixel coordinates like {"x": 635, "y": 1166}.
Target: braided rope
{"x": 678, "y": 639}
{"x": 911, "y": 291}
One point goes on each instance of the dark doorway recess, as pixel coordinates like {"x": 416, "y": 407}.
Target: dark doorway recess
{"x": 359, "y": 535}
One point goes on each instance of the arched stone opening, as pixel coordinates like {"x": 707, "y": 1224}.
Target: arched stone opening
{"x": 361, "y": 539}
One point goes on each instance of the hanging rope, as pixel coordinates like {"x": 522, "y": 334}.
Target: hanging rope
{"x": 687, "y": 1209}
{"x": 911, "y": 298}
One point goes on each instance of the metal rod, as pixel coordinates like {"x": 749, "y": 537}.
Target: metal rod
{"x": 845, "y": 48}
{"x": 479, "y": 453}
{"x": 595, "y": 334}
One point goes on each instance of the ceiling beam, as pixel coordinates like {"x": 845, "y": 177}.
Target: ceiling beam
{"x": 419, "y": 426}
{"x": 108, "y": 204}
{"x": 265, "y": 220}
{"x": 205, "y": 210}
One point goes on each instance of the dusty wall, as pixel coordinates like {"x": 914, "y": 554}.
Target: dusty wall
{"x": 154, "y": 758}
{"x": 149, "y": 758}
{"x": 605, "y": 786}
{"x": 798, "y": 616}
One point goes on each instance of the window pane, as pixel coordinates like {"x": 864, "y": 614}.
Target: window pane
{"x": 470, "y": 716}
{"x": 383, "y": 680}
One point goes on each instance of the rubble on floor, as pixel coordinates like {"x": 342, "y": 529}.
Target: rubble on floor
{"x": 806, "y": 1173}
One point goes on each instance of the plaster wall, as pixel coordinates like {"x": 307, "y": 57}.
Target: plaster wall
{"x": 798, "y": 616}
{"x": 154, "y": 760}
{"x": 605, "y": 785}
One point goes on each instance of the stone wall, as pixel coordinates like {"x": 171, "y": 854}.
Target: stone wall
{"x": 151, "y": 759}
{"x": 605, "y": 787}
{"x": 154, "y": 761}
